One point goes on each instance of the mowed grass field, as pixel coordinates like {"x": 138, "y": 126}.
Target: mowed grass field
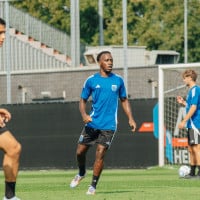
{"x": 134, "y": 184}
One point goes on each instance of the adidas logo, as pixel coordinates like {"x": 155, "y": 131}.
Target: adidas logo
{"x": 97, "y": 86}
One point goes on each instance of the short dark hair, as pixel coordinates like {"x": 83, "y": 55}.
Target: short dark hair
{"x": 2, "y": 22}
{"x": 102, "y": 53}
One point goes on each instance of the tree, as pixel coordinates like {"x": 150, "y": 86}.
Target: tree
{"x": 160, "y": 25}
{"x": 88, "y": 21}
{"x": 55, "y": 13}
{"x": 156, "y": 24}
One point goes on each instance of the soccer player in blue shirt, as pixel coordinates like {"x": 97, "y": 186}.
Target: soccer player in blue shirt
{"x": 192, "y": 119}
{"x": 105, "y": 88}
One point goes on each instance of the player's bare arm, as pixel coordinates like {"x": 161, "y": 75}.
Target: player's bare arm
{"x": 127, "y": 109}
{"x": 188, "y": 116}
{"x": 82, "y": 108}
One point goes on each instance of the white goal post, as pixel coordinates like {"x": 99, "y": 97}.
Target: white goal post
{"x": 169, "y": 85}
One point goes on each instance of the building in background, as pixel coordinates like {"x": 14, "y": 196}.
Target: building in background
{"x": 137, "y": 56}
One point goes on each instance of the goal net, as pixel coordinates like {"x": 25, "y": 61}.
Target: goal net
{"x": 173, "y": 141}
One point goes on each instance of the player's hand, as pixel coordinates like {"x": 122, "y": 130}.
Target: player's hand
{"x": 5, "y": 114}
{"x": 2, "y": 120}
{"x": 132, "y": 125}
{"x": 181, "y": 125}
{"x": 180, "y": 100}
{"x": 87, "y": 119}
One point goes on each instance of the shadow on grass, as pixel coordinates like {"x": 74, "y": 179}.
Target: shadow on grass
{"x": 117, "y": 192}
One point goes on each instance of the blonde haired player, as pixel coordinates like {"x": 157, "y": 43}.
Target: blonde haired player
{"x": 192, "y": 120}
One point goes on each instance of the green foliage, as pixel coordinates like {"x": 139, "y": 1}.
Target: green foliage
{"x": 156, "y": 24}
{"x": 55, "y": 13}
{"x": 161, "y": 26}
{"x": 88, "y": 24}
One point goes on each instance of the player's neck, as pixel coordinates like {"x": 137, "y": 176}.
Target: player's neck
{"x": 192, "y": 84}
{"x": 104, "y": 74}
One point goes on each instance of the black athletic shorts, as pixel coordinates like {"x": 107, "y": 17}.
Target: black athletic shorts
{"x": 4, "y": 129}
{"x": 90, "y": 136}
{"x": 193, "y": 137}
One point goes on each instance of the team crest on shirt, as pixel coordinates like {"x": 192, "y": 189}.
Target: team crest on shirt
{"x": 114, "y": 88}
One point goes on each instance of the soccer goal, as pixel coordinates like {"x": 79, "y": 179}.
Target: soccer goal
{"x": 172, "y": 141}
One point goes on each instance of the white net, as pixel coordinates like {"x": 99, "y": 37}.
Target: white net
{"x": 173, "y": 139}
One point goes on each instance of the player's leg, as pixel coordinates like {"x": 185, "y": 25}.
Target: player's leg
{"x": 192, "y": 160}
{"x": 191, "y": 142}
{"x": 104, "y": 141}
{"x": 12, "y": 150}
{"x": 198, "y": 155}
{"x": 196, "y": 150}
{"x": 97, "y": 168}
{"x": 81, "y": 160}
{"x": 87, "y": 138}
{"x": 98, "y": 164}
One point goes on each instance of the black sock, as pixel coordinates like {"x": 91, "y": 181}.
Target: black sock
{"x": 82, "y": 170}
{"x": 94, "y": 181}
{"x": 10, "y": 189}
{"x": 192, "y": 171}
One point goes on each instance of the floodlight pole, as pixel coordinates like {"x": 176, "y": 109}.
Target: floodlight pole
{"x": 124, "y": 11}
{"x": 75, "y": 32}
{"x": 101, "y": 36}
{"x": 185, "y": 32}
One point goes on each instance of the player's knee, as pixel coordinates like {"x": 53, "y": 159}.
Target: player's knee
{"x": 79, "y": 154}
{"x": 81, "y": 151}
{"x": 101, "y": 150}
{"x": 18, "y": 148}
{"x": 15, "y": 150}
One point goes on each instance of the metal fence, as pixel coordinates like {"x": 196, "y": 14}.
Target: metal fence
{"x": 37, "y": 29}
{"x": 24, "y": 57}
{"x": 33, "y": 73}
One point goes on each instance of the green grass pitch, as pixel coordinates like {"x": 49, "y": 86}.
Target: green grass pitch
{"x": 134, "y": 184}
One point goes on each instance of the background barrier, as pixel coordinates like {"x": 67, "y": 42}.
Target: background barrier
{"x": 49, "y": 132}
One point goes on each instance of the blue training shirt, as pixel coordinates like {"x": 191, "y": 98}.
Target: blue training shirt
{"x": 193, "y": 98}
{"x": 105, "y": 92}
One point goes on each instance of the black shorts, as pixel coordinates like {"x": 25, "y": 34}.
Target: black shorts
{"x": 90, "y": 136}
{"x": 4, "y": 129}
{"x": 193, "y": 137}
